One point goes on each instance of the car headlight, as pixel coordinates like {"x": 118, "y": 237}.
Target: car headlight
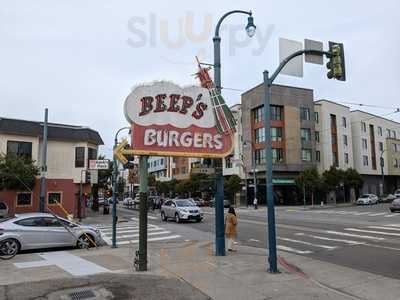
{"x": 183, "y": 210}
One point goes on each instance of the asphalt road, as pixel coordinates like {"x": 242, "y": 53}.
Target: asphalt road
{"x": 365, "y": 238}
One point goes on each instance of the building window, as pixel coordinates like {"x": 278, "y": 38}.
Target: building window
{"x": 394, "y": 147}
{"x": 364, "y": 143}
{"x": 363, "y": 127}
{"x": 344, "y": 122}
{"x": 277, "y": 155}
{"x": 388, "y": 133}
{"x": 380, "y": 146}
{"x": 228, "y": 161}
{"x": 345, "y": 140}
{"x": 335, "y": 159}
{"x": 92, "y": 154}
{"x": 79, "y": 157}
{"x": 258, "y": 114}
{"x": 183, "y": 170}
{"x": 259, "y": 156}
{"x": 395, "y": 163}
{"x": 379, "y": 130}
{"x": 316, "y": 117}
{"x": 22, "y": 149}
{"x": 276, "y": 112}
{"x": 24, "y": 199}
{"x": 259, "y": 135}
{"x": 334, "y": 139}
{"x": 276, "y": 134}
{"x": 305, "y": 154}
{"x": 346, "y": 158}
{"x": 304, "y": 113}
{"x": 318, "y": 156}
{"x": 365, "y": 160}
{"x": 305, "y": 134}
{"x": 393, "y": 134}
{"x": 53, "y": 198}
{"x": 317, "y": 136}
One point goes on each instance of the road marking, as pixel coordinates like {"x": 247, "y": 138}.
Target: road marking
{"x": 307, "y": 243}
{"x": 378, "y": 214}
{"x": 152, "y": 217}
{"x": 150, "y": 240}
{"x": 354, "y": 235}
{"x": 384, "y": 228}
{"x": 372, "y": 231}
{"x": 383, "y": 247}
{"x": 392, "y": 215}
{"x": 131, "y": 231}
{"x": 285, "y": 248}
{"x": 350, "y": 242}
{"x": 393, "y": 225}
{"x": 137, "y": 234}
{"x": 75, "y": 265}
{"x": 362, "y": 213}
{"x": 254, "y": 240}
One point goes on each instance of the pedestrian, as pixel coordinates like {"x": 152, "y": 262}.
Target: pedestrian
{"x": 255, "y": 202}
{"x": 230, "y": 228}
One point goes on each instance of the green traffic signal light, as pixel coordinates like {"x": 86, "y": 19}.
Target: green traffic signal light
{"x": 336, "y": 65}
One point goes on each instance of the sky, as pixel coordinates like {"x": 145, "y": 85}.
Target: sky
{"x": 81, "y": 59}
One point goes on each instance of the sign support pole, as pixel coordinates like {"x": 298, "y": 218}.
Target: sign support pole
{"x": 143, "y": 180}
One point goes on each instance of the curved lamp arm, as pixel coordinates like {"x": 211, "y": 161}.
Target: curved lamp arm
{"x": 227, "y": 14}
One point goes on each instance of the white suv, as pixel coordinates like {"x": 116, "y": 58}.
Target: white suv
{"x": 367, "y": 199}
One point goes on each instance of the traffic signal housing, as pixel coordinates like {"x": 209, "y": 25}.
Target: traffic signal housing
{"x": 336, "y": 63}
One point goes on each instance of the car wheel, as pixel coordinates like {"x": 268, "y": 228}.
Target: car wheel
{"x": 10, "y": 247}
{"x": 198, "y": 220}
{"x": 85, "y": 241}
{"x": 177, "y": 218}
{"x": 392, "y": 210}
{"x": 163, "y": 217}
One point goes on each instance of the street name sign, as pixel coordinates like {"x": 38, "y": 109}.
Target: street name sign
{"x": 99, "y": 164}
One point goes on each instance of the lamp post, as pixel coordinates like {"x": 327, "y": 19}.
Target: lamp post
{"x": 114, "y": 185}
{"x": 382, "y": 171}
{"x": 219, "y": 197}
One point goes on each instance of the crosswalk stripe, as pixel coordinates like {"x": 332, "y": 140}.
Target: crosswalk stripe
{"x": 349, "y": 242}
{"x": 307, "y": 243}
{"x": 354, "y": 235}
{"x": 151, "y": 240}
{"x": 289, "y": 249}
{"x": 372, "y": 231}
{"x": 378, "y": 214}
{"x": 393, "y": 225}
{"x": 362, "y": 213}
{"x": 384, "y": 228}
{"x": 392, "y": 215}
{"x": 137, "y": 234}
{"x": 132, "y": 231}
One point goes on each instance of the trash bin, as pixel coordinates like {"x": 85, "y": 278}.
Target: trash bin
{"x": 106, "y": 209}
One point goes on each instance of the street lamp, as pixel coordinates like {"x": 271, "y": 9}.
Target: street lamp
{"x": 382, "y": 172}
{"x": 219, "y": 197}
{"x": 114, "y": 181}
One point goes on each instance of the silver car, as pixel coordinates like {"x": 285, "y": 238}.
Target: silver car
{"x": 181, "y": 209}
{"x": 3, "y": 210}
{"x": 367, "y": 199}
{"x": 42, "y": 230}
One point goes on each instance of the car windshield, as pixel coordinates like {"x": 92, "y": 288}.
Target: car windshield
{"x": 183, "y": 203}
{"x": 365, "y": 196}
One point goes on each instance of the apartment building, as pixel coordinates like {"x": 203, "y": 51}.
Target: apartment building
{"x": 292, "y": 135}
{"x": 376, "y": 142}
{"x": 333, "y": 135}
{"x": 160, "y": 167}
{"x": 69, "y": 150}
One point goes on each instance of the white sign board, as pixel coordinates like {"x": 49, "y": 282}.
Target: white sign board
{"x": 101, "y": 164}
{"x": 94, "y": 176}
{"x": 295, "y": 66}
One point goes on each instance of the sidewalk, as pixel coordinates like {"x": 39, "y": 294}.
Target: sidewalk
{"x": 189, "y": 270}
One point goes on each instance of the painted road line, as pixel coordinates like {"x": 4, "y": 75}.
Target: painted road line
{"x": 152, "y": 217}
{"x": 131, "y": 231}
{"x": 151, "y": 240}
{"x": 384, "y": 228}
{"x": 362, "y": 213}
{"x": 392, "y": 215}
{"x": 393, "y": 225}
{"x": 137, "y": 234}
{"x": 378, "y": 214}
{"x": 289, "y": 249}
{"x": 355, "y": 235}
{"x": 323, "y": 238}
{"x": 254, "y": 240}
{"x": 307, "y": 243}
{"x": 126, "y": 228}
{"x": 373, "y": 232}
{"x": 106, "y": 239}
{"x": 383, "y": 247}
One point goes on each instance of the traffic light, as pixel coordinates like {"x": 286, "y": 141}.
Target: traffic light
{"x": 87, "y": 177}
{"x": 336, "y": 64}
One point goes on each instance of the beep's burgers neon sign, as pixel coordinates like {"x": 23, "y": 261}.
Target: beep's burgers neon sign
{"x": 168, "y": 120}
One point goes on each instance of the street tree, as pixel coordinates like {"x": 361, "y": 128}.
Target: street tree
{"x": 232, "y": 186}
{"x": 353, "y": 180}
{"x": 17, "y": 173}
{"x": 151, "y": 180}
{"x": 309, "y": 180}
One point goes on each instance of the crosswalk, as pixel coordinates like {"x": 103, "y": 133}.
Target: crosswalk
{"x": 128, "y": 233}
{"x": 353, "y": 213}
{"x": 329, "y": 240}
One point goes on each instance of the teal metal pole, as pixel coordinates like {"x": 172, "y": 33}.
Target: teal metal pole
{"x": 143, "y": 180}
{"x": 268, "y": 172}
{"x": 114, "y": 204}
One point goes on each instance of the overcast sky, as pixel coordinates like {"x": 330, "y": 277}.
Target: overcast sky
{"x": 82, "y": 58}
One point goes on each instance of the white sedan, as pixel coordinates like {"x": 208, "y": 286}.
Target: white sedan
{"x": 367, "y": 199}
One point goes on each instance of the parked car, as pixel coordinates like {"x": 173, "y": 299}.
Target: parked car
{"x": 367, "y": 199}
{"x": 387, "y": 198}
{"x": 127, "y": 201}
{"x": 3, "y": 210}
{"x": 395, "y": 205}
{"x": 43, "y": 230}
{"x": 180, "y": 209}
{"x": 227, "y": 203}
{"x": 397, "y": 193}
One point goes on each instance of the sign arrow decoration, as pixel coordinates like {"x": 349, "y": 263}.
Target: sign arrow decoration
{"x": 120, "y": 152}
